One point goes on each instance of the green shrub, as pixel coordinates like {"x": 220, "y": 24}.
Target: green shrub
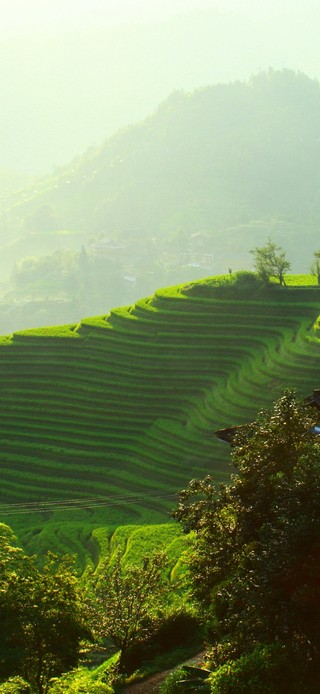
{"x": 178, "y": 630}
{"x": 246, "y": 281}
{"x": 187, "y": 679}
{"x": 226, "y": 286}
{"x": 15, "y": 685}
{"x": 265, "y": 670}
{"x": 80, "y": 681}
{"x": 171, "y": 683}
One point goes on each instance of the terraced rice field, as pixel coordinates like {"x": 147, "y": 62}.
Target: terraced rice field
{"x": 102, "y": 422}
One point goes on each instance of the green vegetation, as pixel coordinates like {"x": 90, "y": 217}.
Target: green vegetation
{"x": 56, "y": 624}
{"x": 301, "y": 281}
{"x": 103, "y": 421}
{"x": 43, "y": 616}
{"x": 128, "y": 601}
{"x": 79, "y": 682}
{"x": 315, "y": 266}
{"x": 250, "y": 576}
{"x": 270, "y": 261}
{"x": 255, "y": 562}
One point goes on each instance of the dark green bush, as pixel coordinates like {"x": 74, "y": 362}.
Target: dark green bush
{"x": 246, "y": 281}
{"x": 186, "y": 679}
{"x": 171, "y": 683}
{"x": 266, "y": 670}
{"x": 206, "y": 289}
{"x": 177, "y": 630}
{"x": 228, "y": 286}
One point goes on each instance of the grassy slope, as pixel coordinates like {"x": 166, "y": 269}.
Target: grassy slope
{"x": 102, "y": 422}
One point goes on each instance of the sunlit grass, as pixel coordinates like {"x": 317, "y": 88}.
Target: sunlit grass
{"x": 301, "y": 281}
{"x": 131, "y": 405}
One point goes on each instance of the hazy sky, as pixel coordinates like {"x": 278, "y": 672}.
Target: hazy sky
{"x": 74, "y": 71}
{"x": 26, "y": 15}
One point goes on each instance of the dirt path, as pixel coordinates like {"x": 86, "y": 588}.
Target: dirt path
{"x": 152, "y": 684}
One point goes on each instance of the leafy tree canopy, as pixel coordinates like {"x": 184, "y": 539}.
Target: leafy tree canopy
{"x": 42, "y": 616}
{"x": 255, "y": 565}
{"x": 129, "y": 600}
{"x": 315, "y": 265}
{"x": 270, "y": 261}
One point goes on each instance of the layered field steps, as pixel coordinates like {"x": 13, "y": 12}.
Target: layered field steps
{"x": 102, "y": 422}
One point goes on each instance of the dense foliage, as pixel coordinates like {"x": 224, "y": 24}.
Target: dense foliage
{"x": 255, "y": 565}
{"x": 56, "y": 625}
{"x": 43, "y": 618}
{"x": 315, "y": 266}
{"x": 129, "y": 601}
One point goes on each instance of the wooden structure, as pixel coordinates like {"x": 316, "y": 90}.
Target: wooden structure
{"x": 228, "y": 434}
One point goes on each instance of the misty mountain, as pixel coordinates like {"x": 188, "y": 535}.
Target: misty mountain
{"x": 236, "y": 162}
{"x": 181, "y": 195}
{"x": 69, "y": 84}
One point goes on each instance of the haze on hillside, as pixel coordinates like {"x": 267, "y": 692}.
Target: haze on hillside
{"x": 146, "y": 143}
{"x": 74, "y": 72}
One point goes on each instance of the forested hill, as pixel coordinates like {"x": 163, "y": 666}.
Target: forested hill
{"x": 102, "y": 422}
{"x": 242, "y": 157}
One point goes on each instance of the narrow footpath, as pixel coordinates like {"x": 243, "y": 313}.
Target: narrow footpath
{"x": 152, "y": 684}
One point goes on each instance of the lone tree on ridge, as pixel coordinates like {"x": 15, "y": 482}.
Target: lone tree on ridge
{"x": 315, "y": 265}
{"x": 270, "y": 261}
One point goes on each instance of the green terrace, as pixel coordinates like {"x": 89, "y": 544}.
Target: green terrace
{"x": 101, "y": 423}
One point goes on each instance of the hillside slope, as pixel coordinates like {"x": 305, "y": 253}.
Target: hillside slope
{"x": 102, "y": 422}
{"x": 242, "y": 157}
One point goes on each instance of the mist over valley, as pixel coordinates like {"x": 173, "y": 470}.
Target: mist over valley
{"x": 145, "y": 145}
{"x": 183, "y": 194}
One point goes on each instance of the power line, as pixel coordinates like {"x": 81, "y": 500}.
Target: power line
{"x": 82, "y": 504}
{"x": 99, "y": 498}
